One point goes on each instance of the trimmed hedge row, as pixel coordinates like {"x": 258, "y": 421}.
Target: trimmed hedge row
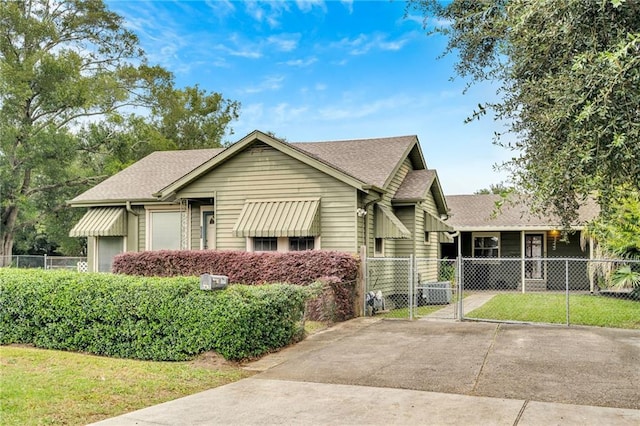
{"x": 301, "y": 267}
{"x": 337, "y": 270}
{"x": 166, "y": 319}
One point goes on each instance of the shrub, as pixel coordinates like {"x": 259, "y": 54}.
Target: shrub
{"x": 146, "y": 318}
{"x": 335, "y": 302}
{"x": 338, "y": 271}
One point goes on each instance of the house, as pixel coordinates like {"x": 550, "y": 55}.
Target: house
{"x": 530, "y": 244}
{"x": 264, "y": 194}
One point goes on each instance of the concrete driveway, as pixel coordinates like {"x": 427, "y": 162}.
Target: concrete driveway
{"x": 429, "y": 372}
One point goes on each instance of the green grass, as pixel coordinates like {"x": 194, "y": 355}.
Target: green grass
{"x": 551, "y": 308}
{"x": 419, "y": 311}
{"x": 40, "y": 387}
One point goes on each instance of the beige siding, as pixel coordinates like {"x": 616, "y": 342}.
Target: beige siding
{"x": 407, "y": 215}
{"x": 194, "y": 243}
{"x": 427, "y": 269}
{"x": 261, "y": 172}
{"x": 368, "y": 220}
{"x": 391, "y": 247}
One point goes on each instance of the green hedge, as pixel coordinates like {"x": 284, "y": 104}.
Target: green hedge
{"x": 146, "y": 318}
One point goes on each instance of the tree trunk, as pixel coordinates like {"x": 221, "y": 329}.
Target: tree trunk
{"x": 7, "y": 232}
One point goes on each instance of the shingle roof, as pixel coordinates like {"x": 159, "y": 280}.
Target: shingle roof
{"x": 479, "y": 212}
{"x": 371, "y": 161}
{"x": 147, "y": 176}
{"x": 415, "y": 185}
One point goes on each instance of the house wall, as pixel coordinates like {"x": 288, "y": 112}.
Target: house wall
{"x": 262, "y": 172}
{"x": 392, "y": 247}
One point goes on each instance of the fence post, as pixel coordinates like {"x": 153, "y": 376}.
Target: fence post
{"x": 411, "y": 269}
{"x": 361, "y": 287}
{"x": 566, "y": 280}
{"x": 460, "y": 311}
{"x": 45, "y": 261}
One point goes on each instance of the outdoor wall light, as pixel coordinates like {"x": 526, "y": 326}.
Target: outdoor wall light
{"x": 361, "y": 212}
{"x": 554, "y": 233}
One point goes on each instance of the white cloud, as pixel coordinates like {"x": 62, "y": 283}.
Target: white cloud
{"x": 320, "y": 87}
{"x": 348, "y": 110}
{"x": 301, "y": 63}
{"x": 284, "y": 42}
{"x": 364, "y": 43}
{"x": 306, "y": 6}
{"x": 270, "y": 83}
{"x": 267, "y": 12}
{"x": 348, "y": 4}
{"x": 221, "y": 8}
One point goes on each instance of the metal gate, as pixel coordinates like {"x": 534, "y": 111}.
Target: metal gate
{"x": 411, "y": 288}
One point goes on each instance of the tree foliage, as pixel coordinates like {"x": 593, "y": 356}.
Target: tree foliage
{"x": 569, "y": 85}
{"x": 66, "y": 70}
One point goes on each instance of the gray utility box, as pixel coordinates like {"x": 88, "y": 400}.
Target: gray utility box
{"x": 213, "y": 282}
{"x": 435, "y": 293}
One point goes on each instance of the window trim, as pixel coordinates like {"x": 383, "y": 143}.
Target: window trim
{"x": 475, "y": 235}
{"x": 376, "y": 252}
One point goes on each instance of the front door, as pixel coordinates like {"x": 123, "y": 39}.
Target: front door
{"x": 208, "y": 230}
{"x": 533, "y": 249}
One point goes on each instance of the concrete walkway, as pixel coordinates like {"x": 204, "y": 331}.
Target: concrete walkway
{"x": 256, "y": 401}
{"x": 471, "y": 302}
{"x": 371, "y": 371}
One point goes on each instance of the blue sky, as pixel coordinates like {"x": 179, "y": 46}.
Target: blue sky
{"x": 326, "y": 70}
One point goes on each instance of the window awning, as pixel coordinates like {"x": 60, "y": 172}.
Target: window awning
{"x": 434, "y": 224}
{"x": 279, "y": 218}
{"x": 101, "y": 222}
{"x": 389, "y": 226}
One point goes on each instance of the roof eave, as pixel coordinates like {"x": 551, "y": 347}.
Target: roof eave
{"x": 415, "y": 144}
{"x": 506, "y": 228}
{"x": 239, "y": 146}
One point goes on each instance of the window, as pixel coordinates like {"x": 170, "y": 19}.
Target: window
{"x": 425, "y": 222}
{"x": 301, "y": 243}
{"x": 108, "y": 248}
{"x": 379, "y": 246}
{"x": 486, "y": 244}
{"x": 265, "y": 244}
{"x": 165, "y": 230}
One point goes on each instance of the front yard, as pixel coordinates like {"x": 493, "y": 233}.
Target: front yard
{"x": 584, "y": 309}
{"x": 40, "y": 386}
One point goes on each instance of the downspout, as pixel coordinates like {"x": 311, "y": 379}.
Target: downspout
{"x": 137, "y": 224}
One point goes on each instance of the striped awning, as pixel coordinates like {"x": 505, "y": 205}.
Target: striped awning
{"x": 389, "y": 226}
{"x": 279, "y": 218}
{"x": 434, "y": 224}
{"x": 101, "y": 222}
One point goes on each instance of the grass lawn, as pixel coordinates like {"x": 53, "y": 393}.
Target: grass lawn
{"x": 40, "y": 386}
{"x": 419, "y": 311}
{"x": 551, "y": 308}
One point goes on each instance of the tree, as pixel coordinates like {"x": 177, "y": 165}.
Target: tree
{"x": 63, "y": 65}
{"x": 498, "y": 188}
{"x": 568, "y": 73}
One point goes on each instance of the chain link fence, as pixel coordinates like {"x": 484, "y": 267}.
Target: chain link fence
{"x": 411, "y": 288}
{"x": 45, "y": 262}
{"x": 540, "y": 290}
